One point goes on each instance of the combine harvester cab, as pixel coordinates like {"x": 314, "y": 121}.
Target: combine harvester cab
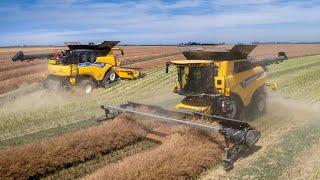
{"x": 87, "y": 66}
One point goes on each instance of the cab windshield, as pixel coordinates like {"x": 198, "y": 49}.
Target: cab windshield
{"x": 81, "y": 56}
{"x": 195, "y": 80}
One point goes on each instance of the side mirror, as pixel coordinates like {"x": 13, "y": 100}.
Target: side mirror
{"x": 167, "y": 67}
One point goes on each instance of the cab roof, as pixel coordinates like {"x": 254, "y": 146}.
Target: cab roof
{"x": 185, "y": 62}
{"x": 236, "y": 53}
{"x": 106, "y": 45}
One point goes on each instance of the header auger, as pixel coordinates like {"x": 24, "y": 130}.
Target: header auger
{"x": 88, "y": 66}
{"x": 238, "y": 135}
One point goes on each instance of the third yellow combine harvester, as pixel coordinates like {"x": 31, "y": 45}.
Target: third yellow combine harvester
{"x": 224, "y": 86}
{"x": 84, "y": 65}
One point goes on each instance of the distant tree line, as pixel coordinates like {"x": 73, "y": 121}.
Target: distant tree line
{"x": 257, "y": 42}
{"x": 197, "y": 43}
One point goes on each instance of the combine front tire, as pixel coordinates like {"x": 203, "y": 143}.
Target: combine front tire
{"x": 110, "y": 79}
{"x": 227, "y": 165}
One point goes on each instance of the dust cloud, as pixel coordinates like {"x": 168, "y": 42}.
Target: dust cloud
{"x": 299, "y": 112}
{"x": 36, "y": 96}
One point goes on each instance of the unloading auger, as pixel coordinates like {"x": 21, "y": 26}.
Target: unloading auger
{"x": 238, "y": 135}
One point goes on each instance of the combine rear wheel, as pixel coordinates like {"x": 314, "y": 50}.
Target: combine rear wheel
{"x": 259, "y": 104}
{"x": 236, "y": 110}
{"x": 87, "y": 86}
{"x": 52, "y": 83}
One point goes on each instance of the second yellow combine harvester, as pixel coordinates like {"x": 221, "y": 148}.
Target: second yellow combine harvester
{"x": 224, "y": 83}
{"x": 87, "y": 66}
{"x": 225, "y": 87}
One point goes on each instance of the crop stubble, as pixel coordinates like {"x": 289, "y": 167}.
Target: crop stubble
{"x": 182, "y": 156}
{"x": 49, "y": 155}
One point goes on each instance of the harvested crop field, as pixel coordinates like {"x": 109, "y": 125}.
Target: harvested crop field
{"x": 63, "y": 126}
{"x": 181, "y": 156}
{"x": 34, "y": 160}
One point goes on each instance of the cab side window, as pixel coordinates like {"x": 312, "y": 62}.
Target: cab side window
{"x": 241, "y": 66}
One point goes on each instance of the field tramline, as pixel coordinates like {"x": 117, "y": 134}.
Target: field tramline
{"x": 36, "y": 111}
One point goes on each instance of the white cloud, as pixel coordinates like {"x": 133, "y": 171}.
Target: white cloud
{"x": 241, "y": 2}
{"x": 155, "y": 21}
{"x": 37, "y": 36}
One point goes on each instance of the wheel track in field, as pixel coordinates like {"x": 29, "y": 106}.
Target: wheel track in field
{"x": 12, "y": 66}
{"x": 127, "y": 85}
{"x": 153, "y": 85}
{"x": 12, "y": 74}
{"x": 153, "y": 78}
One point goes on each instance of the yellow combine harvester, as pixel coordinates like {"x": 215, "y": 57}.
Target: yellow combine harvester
{"x": 219, "y": 86}
{"x": 88, "y": 66}
{"x": 224, "y": 83}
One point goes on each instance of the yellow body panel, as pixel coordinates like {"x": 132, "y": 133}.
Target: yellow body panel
{"x": 65, "y": 70}
{"x": 225, "y": 68}
{"x": 109, "y": 59}
{"x": 51, "y": 61}
{"x": 59, "y": 70}
{"x": 195, "y": 62}
{"x": 234, "y": 83}
{"x": 94, "y": 71}
{"x": 195, "y": 104}
{"x": 228, "y": 81}
{"x": 127, "y": 73}
{"x": 72, "y": 81}
{"x": 202, "y": 109}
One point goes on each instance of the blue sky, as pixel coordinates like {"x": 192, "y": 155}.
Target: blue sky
{"x": 158, "y": 22}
